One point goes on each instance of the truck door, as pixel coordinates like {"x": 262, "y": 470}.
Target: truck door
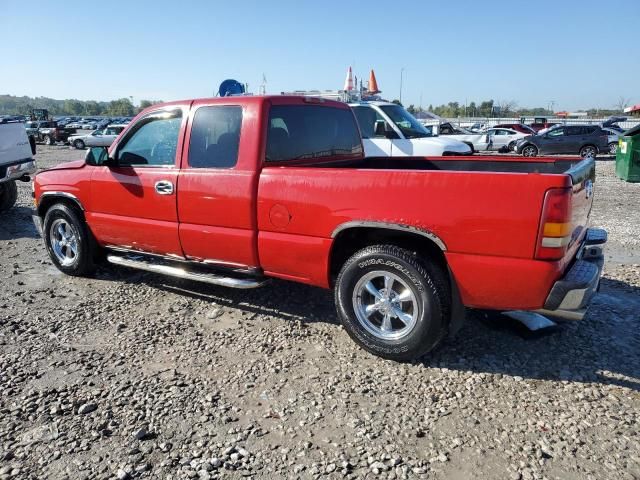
{"x": 133, "y": 203}
{"x": 372, "y": 124}
{"x": 216, "y": 198}
{"x": 555, "y": 141}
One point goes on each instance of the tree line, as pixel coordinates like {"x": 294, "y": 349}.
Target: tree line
{"x": 123, "y": 107}
{"x": 491, "y": 108}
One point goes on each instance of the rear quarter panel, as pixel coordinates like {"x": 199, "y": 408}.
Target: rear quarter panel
{"x": 480, "y": 214}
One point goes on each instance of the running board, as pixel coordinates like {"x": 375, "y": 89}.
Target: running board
{"x": 142, "y": 263}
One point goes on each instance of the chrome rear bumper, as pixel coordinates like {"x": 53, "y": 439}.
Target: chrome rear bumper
{"x": 570, "y": 296}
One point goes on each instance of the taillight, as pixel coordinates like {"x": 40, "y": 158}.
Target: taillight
{"x": 554, "y": 235}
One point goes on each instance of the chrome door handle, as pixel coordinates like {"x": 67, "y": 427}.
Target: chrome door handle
{"x": 164, "y": 187}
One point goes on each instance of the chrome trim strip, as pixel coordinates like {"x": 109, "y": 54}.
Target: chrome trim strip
{"x": 70, "y": 196}
{"x": 391, "y": 226}
{"x": 141, "y": 264}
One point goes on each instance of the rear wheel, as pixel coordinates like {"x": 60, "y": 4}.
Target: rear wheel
{"x": 530, "y": 151}
{"x": 79, "y": 144}
{"x": 613, "y": 148}
{"x": 8, "y": 195}
{"x": 391, "y": 303}
{"x": 588, "y": 151}
{"x": 47, "y": 140}
{"x": 68, "y": 241}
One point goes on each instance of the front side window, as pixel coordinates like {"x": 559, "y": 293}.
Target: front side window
{"x": 215, "y": 137}
{"x": 367, "y": 118}
{"x": 299, "y": 132}
{"x": 154, "y": 143}
{"x": 556, "y": 132}
{"x": 407, "y": 123}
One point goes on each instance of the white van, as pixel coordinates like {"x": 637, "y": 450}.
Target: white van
{"x": 16, "y": 161}
{"x": 388, "y": 130}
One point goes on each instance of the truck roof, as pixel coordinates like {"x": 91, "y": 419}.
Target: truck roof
{"x": 251, "y": 99}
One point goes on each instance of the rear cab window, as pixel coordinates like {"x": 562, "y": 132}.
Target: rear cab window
{"x": 306, "y": 132}
{"x": 215, "y": 137}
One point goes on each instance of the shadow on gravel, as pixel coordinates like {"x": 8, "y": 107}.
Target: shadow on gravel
{"x": 16, "y": 223}
{"x": 285, "y": 300}
{"x": 602, "y": 348}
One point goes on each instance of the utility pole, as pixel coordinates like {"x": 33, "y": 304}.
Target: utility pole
{"x": 401, "y": 72}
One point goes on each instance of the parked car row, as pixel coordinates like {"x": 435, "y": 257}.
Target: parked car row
{"x": 102, "y": 137}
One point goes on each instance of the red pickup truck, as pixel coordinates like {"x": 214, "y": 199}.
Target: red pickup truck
{"x": 233, "y": 191}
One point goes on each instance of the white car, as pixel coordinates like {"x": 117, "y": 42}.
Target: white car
{"x": 388, "y": 130}
{"x": 102, "y": 137}
{"x": 497, "y": 139}
{"x": 16, "y": 161}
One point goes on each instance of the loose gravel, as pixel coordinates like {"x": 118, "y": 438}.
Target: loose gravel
{"x": 130, "y": 375}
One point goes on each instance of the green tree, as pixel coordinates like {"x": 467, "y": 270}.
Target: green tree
{"x": 411, "y": 109}
{"x": 73, "y": 107}
{"x": 120, "y": 108}
{"x": 92, "y": 107}
{"x": 147, "y": 103}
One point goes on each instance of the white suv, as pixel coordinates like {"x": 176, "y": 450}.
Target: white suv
{"x": 388, "y": 130}
{"x": 16, "y": 161}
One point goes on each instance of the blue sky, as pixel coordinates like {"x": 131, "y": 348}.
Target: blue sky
{"x": 572, "y": 52}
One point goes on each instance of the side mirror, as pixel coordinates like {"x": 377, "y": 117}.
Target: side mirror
{"x": 97, "y": 156}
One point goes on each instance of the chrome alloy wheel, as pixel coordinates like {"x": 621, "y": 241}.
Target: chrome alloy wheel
{"x": 64, "y": 241}
{"x": 385, "y": 305}
{"x": 588, "y": 152}
{"x": 529, "y": 151}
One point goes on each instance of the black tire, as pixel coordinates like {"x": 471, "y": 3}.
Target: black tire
{"x": 613, "y": 148}
{"x": 588, "y": 151}
{"x": 8, "y": 195}
{"x": 428, "y": 285}
{"x": 529, "y": 151}
{"x": 79, "y": 144}
{"x": 47, "y": 140}
{"x": 83, "y": 262}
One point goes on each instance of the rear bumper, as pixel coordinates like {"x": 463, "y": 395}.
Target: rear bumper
{"x": 570, "y": 296}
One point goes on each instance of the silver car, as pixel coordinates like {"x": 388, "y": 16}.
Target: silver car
{"x": 102, "y": 137}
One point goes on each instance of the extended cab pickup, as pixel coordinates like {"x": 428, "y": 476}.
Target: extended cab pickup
{"x": 234, "y": 190}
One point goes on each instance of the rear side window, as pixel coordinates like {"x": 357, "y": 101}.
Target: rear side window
{"x": 590, "y": 130}
{"x": 575, "y": 130}
{"x": 298, "y": 132}
{"x": 215, "y": 137}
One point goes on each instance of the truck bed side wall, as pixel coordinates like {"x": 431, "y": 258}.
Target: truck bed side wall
{"x": 488, "y": 222}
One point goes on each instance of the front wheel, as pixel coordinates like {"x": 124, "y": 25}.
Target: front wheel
{"x": 68, "y": 241}
{"x": 530, "y": 151}
{"x": 588, "y": 151}
{"x": 47, "y": 140}
{"x": 79, "y": 144}
{"x": 391, "y": 303}
{"x": 8, "y": 195}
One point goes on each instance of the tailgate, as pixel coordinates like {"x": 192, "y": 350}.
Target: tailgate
{"x": 582, "y": 176}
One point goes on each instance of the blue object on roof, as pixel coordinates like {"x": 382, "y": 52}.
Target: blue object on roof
{"x": 230, "y": 87}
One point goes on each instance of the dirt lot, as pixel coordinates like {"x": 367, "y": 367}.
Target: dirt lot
{"x": 131, "y": 375}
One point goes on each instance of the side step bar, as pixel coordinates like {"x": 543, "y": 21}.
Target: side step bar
{"x": 142, "y": 263}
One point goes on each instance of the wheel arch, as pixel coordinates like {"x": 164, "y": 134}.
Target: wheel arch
{"x": 351, "y": 237}
{"x": 47, "y": 199}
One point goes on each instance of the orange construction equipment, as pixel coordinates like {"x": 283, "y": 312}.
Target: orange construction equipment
{"x": 373, "y": 83}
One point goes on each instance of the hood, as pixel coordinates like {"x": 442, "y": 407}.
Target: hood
{"x": 448, "y": 144}
{"x": 73, "y": 165}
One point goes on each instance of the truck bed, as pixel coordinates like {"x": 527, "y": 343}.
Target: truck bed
{"x": 478, "y": 163}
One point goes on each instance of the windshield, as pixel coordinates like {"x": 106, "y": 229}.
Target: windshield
{"x": 407, "y": 123}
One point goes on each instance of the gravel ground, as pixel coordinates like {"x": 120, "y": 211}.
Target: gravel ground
{"x": 131, "y": 375}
